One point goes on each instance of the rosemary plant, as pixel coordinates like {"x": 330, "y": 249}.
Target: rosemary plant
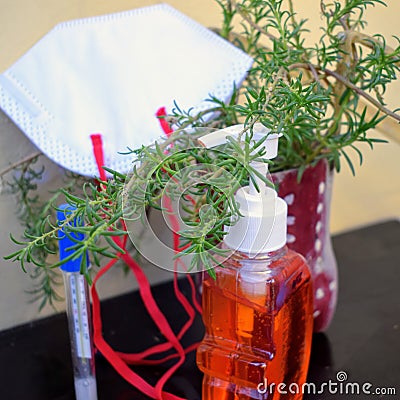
{"x": 323, "y": 98}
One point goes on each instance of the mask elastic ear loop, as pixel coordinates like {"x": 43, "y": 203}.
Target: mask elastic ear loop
{"x": 117, "y": 359}
{"x": 107, "y": 351}
{"x": 165, "y": 126}
{"x": 97, "y": 143}
{"x": 161, "y": 114}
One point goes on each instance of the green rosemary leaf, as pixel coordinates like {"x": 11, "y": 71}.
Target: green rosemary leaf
{"x": 108, "y": 254}
{"x": 114, "y": 245}
{"x": 349, "y": 162}
{"x": 360, "y": 156}
{"x": 115, "y": 173}
{"x": 115, "y": 232}
{"x": 16, "y": 242}
{"x": 74, "y": 200}
{"x": 13, "y": 256}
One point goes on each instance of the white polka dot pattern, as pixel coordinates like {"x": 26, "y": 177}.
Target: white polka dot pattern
{"x": 308, "y": 232}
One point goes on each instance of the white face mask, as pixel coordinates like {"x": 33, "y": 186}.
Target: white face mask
{"x": 109, "y": 75}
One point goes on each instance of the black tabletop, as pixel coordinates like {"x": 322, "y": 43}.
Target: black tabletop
{"x": 362, "y": 346}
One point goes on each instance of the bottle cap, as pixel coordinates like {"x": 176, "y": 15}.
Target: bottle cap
{"x": 262, "y": 227}
{"x": 65, "y": 241}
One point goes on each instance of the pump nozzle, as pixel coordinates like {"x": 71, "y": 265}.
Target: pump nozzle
{"x": 259, "y": 131}
{"x": 263, "y": 225}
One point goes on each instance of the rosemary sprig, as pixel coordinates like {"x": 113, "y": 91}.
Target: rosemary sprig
{"x": 309, "y": 93}
{"x": 37, "y": 216}
{"x": 165, "y": 165}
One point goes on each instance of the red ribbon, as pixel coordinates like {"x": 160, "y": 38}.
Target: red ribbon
{"x": 97, "y": 143}
{"x": 161, "y": 114}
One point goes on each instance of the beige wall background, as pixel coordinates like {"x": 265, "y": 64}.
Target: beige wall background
{"x": 373, "y": 195}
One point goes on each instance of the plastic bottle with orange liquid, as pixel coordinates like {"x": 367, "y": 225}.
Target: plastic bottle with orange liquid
{"x": 258, "y": 311}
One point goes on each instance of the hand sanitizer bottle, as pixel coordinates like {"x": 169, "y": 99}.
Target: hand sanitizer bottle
{"x": 258, "y": 311}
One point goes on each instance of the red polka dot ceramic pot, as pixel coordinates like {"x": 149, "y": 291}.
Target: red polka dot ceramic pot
{"x": 308, "y": 232}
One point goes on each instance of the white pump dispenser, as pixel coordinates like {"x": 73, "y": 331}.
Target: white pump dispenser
{"x": 262, "y": 227}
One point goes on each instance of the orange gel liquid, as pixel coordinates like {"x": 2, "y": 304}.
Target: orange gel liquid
{"x": 257, "y": 333}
